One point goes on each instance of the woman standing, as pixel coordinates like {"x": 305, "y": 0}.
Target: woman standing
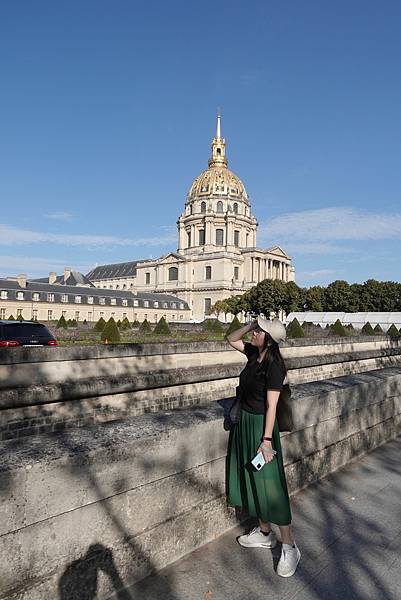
{"x": 262, "y": 493}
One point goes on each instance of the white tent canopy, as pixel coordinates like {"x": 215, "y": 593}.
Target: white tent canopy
{"x": 357, "y": 320}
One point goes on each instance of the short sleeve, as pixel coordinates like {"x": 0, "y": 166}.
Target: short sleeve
{"x": 250, "y": 350}
{"x": 275, "y": 377}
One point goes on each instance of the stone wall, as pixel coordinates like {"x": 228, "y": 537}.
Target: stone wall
{"x": 51, "y": 389}
{"x": 113, "y": 502}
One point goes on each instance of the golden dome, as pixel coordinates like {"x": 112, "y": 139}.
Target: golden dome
{"x": 218, "y": 180}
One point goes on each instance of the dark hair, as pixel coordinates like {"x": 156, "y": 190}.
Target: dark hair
{"x": 272, "y": 354}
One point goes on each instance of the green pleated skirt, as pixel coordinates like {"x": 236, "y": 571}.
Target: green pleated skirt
{"x": 263, "y": 493}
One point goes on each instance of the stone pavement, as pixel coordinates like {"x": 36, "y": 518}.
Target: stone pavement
{"x": 347, "y": 526}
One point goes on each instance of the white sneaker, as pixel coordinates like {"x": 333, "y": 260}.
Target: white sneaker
{"x": 256, "y": 539}
{"x": 289, "y": 559}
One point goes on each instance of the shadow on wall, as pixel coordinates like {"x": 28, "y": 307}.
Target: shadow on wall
{"x": 79, "y": 580}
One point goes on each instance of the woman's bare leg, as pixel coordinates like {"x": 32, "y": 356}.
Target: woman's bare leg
{"x": 264, "y": 526}
{"x": 286, "y": 534}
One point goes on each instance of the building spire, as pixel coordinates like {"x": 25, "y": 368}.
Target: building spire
{"x": 218, "y": 147}
{"x": 218, "y": 130}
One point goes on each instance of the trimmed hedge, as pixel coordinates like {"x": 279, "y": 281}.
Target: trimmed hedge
{"x": 145, "y": 327}
{"x": 212, "y": 325}
{"x": 110, "y": 332}
{"x": 100, "y": 325}
{"x": 162, "y": 327}
{"x": 378, "y": 329}
{"x": 294, "y": 329}
{"x": 338, "y": 329}
{"x": 234, "y": 325}
{"x": 393, "y": 332}
{"x": 367, "y": 329}
{"x": 61, "y": 323}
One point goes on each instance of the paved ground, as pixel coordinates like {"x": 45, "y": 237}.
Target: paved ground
{"x": 347, "y": 526}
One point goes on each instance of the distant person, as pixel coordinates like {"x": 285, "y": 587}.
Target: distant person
{"x": 262, "y": 493}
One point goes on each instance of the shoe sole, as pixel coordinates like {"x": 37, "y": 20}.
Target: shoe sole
{"x": 258, "y": 544}
{"x": 291, "y": 573}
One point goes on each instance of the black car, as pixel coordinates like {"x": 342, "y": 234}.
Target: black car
{"x": 25, "y": 333}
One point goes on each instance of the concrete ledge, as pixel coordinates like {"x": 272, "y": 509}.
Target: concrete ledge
{"x": 152, "y": 488}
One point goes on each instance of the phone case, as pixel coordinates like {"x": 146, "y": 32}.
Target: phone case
{"x": 259, "y": 461}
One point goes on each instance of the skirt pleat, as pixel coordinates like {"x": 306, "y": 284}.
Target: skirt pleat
{"x": 263, "y": 493}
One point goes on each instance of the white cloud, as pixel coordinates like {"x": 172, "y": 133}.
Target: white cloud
{"x": 13, "y": 236}
{"x": 333, "y": 224}
{"x": 59, "y": 216}
{"x": 315, "y": 274}
{"x": 36, "y": 266}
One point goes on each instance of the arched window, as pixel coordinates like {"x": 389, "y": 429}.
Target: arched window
{"x": 208, "y": 272}
{"x": 201, "y": 237}
{"x": 147, "y": 278}
{"x": 173, "y": 274}
{"x": 236, "y": 238}
{"x": 203, "y": 207}
{"x": 219, "y": 207}
{"x": 189, "y": 239}
{"x": 235, "y": 208}
{"x": 219, "y": 237}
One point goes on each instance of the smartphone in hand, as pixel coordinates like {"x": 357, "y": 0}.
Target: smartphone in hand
{"x": 259, "y": 461}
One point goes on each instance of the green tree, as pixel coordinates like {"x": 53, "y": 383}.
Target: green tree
{"x": 61, "y": 323}
{"x": 212, "y": 325}
{"x": 367, "y": 329}
{"x": 135, "y": 323}
{"x": 393, "y": 332}
{"x": 100, "y": 325}
{"x": 378, "y": 329}
{"x": 294, "y": 329}
{"x": 338, "y": 329}
{"x": 266, "y": 297}
{"x": 11, "y": 318}
{"x": 162, "y": 327}
{"x": 125, "y": 324}
{"x": 110, "y": 332}
{"x": 145, "y": 327}
{"x": 314, "y": 298}
{"x": 234, "y": 325}
{"x": 338, "y": 297}
{"x": 292, "y": 301}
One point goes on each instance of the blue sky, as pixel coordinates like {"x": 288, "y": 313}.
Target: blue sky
{"x": 108, "y": 110}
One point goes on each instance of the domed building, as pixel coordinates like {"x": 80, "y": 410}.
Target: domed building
{"x": 217, "y": 255}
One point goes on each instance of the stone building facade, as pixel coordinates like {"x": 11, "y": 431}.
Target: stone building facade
{"x": 73, "y": 296}
{"x": 217, "y": 254}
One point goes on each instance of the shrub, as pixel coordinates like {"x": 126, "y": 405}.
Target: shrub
{"x": 72, "y": 323}
{"x": 212, "y": 325}
{"x": 145, "y": 327}
{"x": 11, "y": 318}
{"x": 100, "y": 325}
{"x": 338, "y": 329}
{"x": 136, "y": 323}
{"x": 234, "y": 325}
{"x": 162, "y": 327}
{"x": 125, "y": 324}
{"x": 20, "y": 317}
{"x": 119, "y": 324}
{"x": 294, "y": 329}
{"x": 393, "y": 332}
{"x": 367, "y": 329}
{"x": 61, "y": 323}
{"x": 110, "y": 332}
{"x": 378, "y": 329}
{"x": 84, "y": 322}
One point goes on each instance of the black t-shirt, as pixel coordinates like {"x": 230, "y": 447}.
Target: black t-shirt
{"x": 256, "y": 379}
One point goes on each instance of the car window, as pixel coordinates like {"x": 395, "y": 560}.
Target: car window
{"x": 11, "y": 330}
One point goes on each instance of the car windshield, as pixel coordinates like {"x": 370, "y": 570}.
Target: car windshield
{"x": 12, "y": 330}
